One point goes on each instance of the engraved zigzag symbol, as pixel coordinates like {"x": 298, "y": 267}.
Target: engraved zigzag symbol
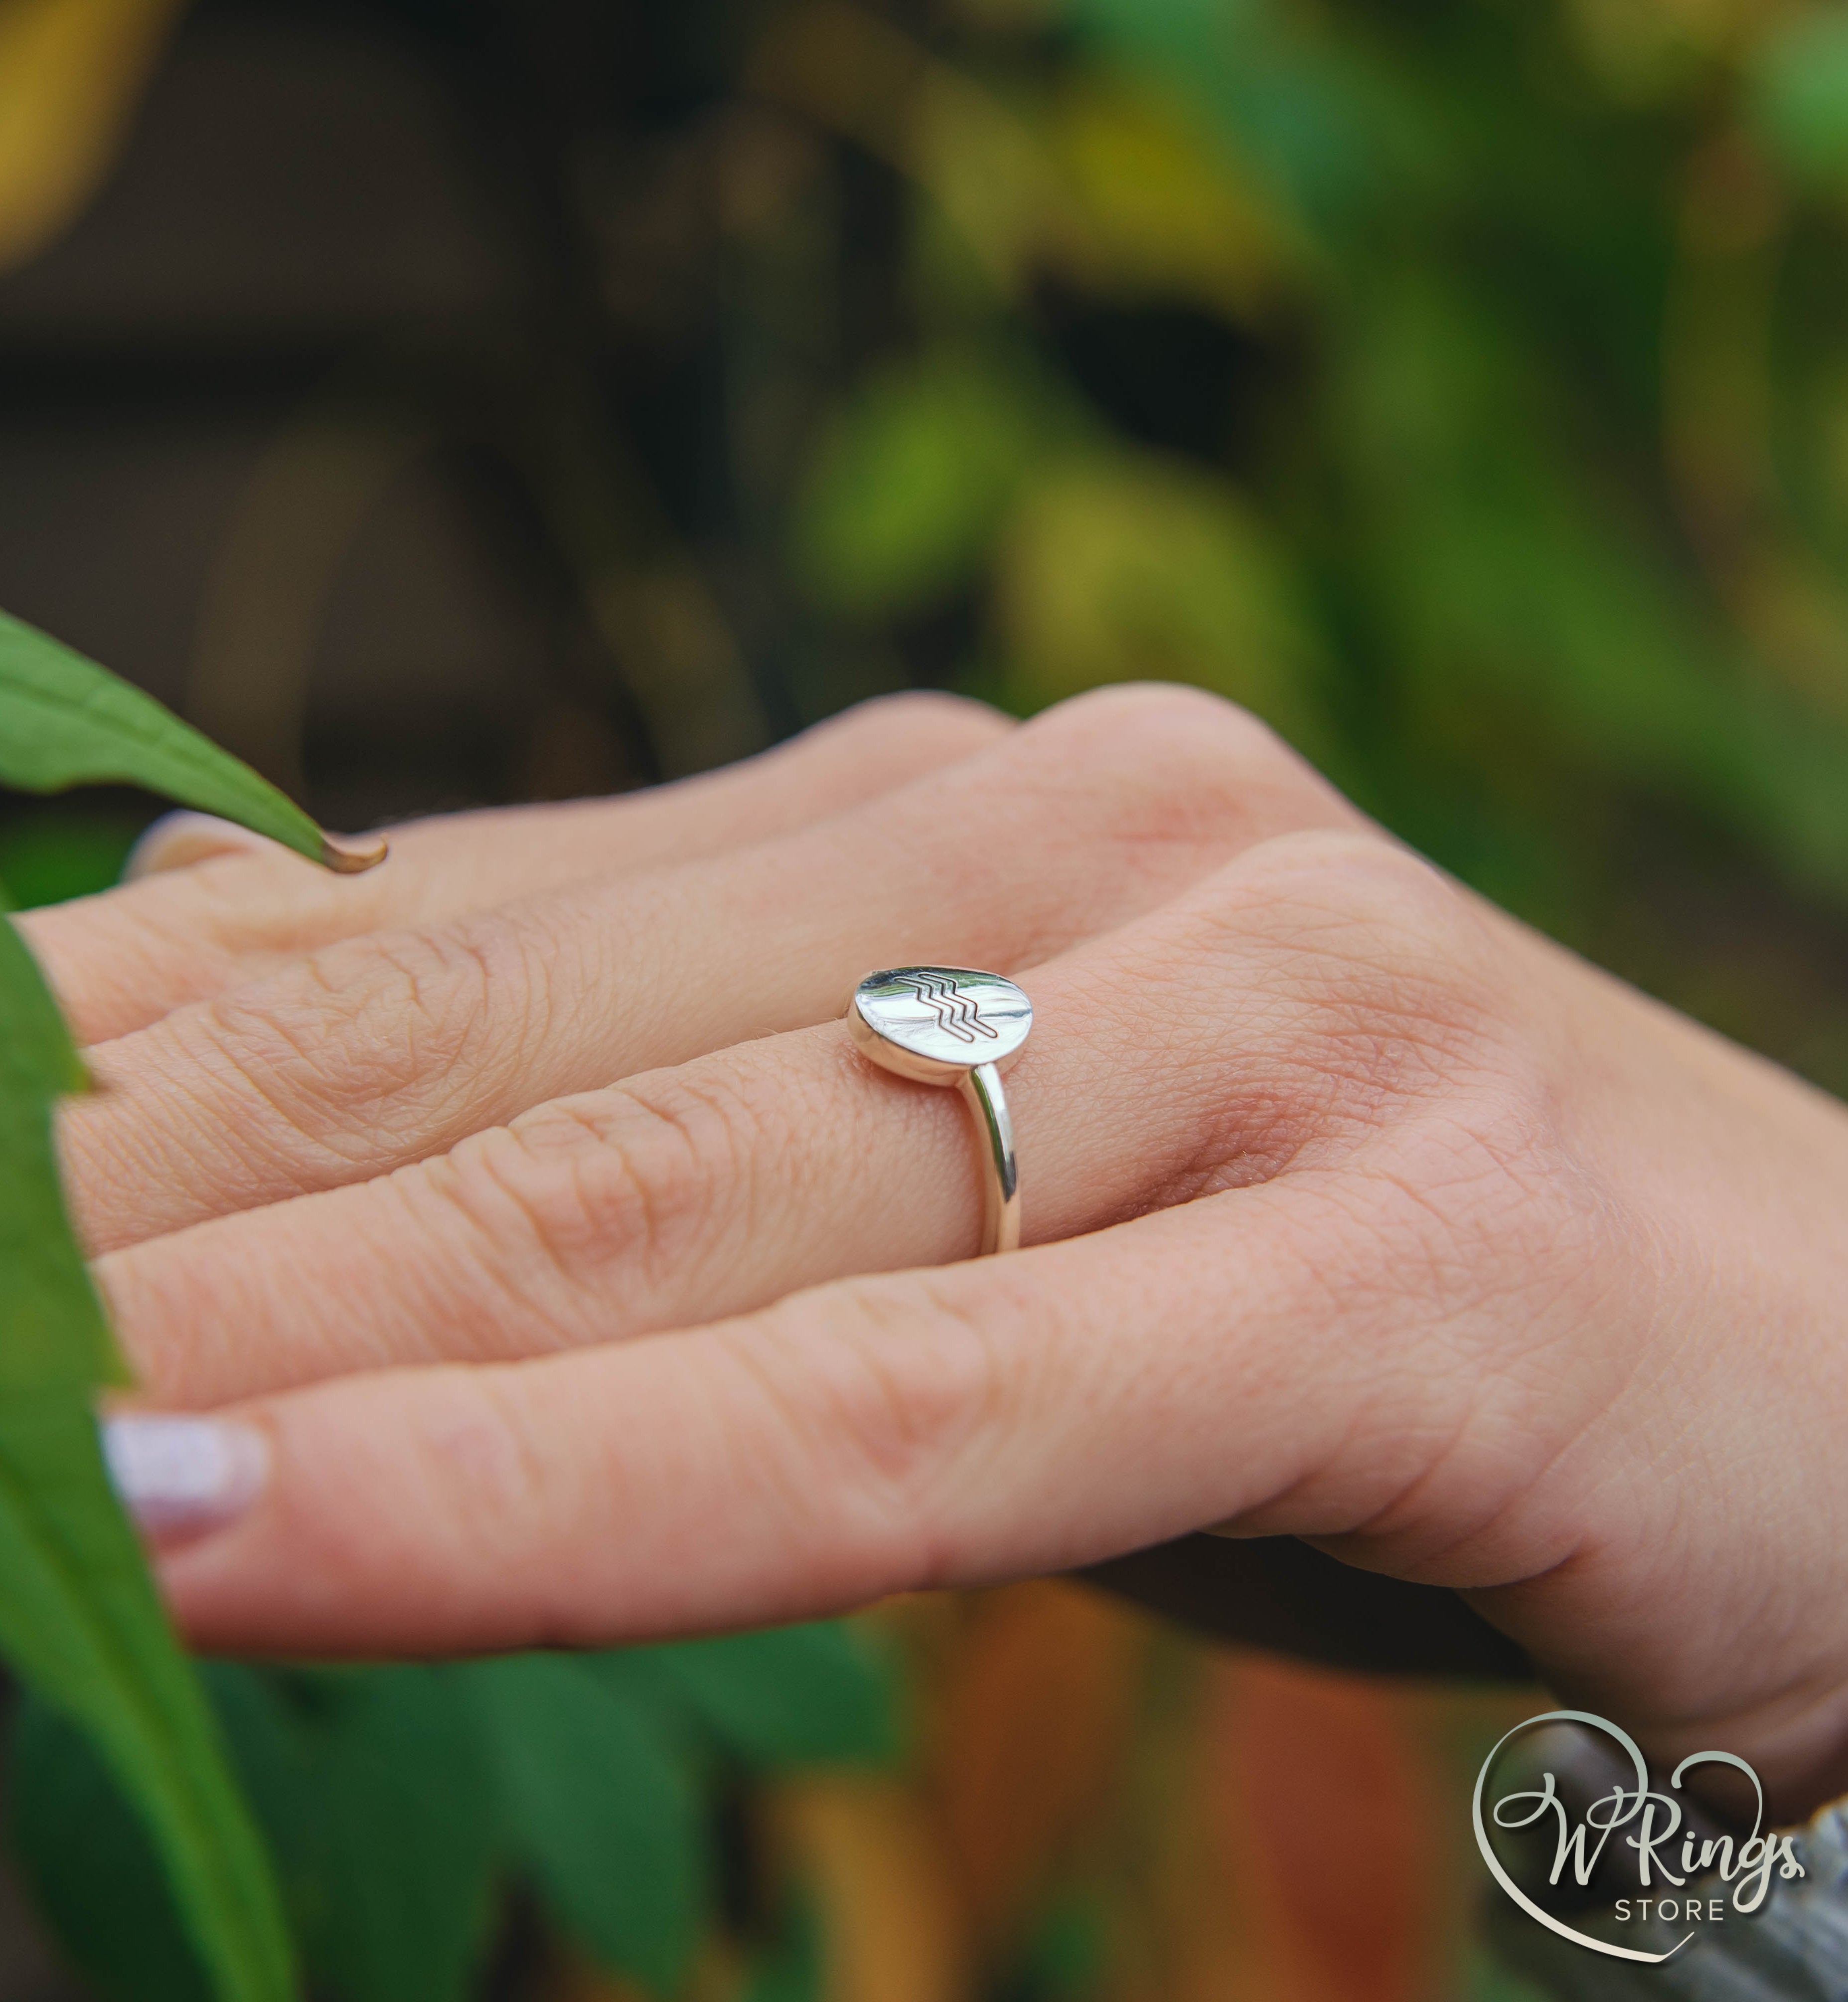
{"x": 941, "y": 998}
{"x": 966, "y": 1013}
{"x": 956, "y": 1014}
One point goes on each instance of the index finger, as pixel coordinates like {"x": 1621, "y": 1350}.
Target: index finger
{"x": 125, "y": 958}
{"x": 950, "y": 1427}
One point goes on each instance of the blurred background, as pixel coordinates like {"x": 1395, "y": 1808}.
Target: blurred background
{"x": 444, "y": 401}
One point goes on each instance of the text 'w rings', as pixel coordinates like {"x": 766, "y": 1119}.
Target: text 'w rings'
{"x": 954, "y": 1025}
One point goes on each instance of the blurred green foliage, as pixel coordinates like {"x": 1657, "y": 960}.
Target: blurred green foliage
{"x": 402, "y": 1804}
{"x": 81, "y": 1625}
{"x": 399, "y": 1805}
{"x": 66, "y": 851}
{"x": 1463, "y": 386}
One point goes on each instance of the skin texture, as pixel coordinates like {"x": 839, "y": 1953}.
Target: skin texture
{"x": 530, "y": 1200}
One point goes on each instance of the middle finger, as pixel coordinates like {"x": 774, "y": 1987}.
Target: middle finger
{"x": 1201, "y": 1048}
{"x": 375, "y": 1053}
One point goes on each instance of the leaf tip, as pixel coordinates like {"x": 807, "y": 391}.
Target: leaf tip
{"x": 353, "y": 858}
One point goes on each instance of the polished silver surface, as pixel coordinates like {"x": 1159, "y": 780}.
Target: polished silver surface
{"x": 954, "y": 1025}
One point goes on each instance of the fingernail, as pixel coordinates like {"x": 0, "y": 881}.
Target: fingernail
{"x": 178, "y": 840}
{"x": 180, "y": 1477}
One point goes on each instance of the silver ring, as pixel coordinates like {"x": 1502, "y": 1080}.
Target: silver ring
{"x": 954, "y": 1025}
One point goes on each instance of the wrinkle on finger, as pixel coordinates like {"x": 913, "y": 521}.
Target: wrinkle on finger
{"x": 125, "y": 958}
{"x": 763, "y": 1471}
{"x": 675, "y": 1198}
{"x": 1176, "y": 1059}
{"x": 346, "y": 1068}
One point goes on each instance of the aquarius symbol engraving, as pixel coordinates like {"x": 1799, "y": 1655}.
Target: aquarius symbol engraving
{"x": 957, "y": 1015}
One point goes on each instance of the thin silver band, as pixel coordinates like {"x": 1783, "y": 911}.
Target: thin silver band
{"x": 954, "y": 1025}
{"x": 987, "y": 1102}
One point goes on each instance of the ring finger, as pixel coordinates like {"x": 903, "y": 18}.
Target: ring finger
{"x": 389, "y": 1050}
{"x": 1199, "y": 1050}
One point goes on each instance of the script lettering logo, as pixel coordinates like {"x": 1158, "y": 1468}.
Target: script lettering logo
{"x": 1746, "y": 1871}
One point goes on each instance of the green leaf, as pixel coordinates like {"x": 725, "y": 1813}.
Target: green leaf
{"x": 1325, "y": 129}
{"x": 1067, "y": 1954}
{"x": 913, "y": 476}
{"x": 795, "y": 1969}
{"x": 64, "y": 850}
{"x": 1509, "y": 587}
{"x": 1799, "y": 97}
{"x": 80, "y": 1622}
{"x": 88, "y": 1856}
{"x": 599, "y": 1809}
{"x": 395, "y": 1875}
{"x": 91, "y": 1867}
{"x": 789, "y": 1696}
{"x": 79, "y": 1618}
{"x": 65, "y": 721}
{"x": 1129, "y": 567}
{"x": 52, "y": 1331}
{"x": 36, "y": 1050}
{"x": 379, "y": 1808}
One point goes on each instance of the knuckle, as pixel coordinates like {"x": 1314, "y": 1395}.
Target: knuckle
{"x": 1147, "y": 718}
{"x": 923, "y": 719}
{"x": 639, "y": 1174}
{"x": 1367, "y": 904}
{"x": 905, "y": 1389}
{"x": 485, "y": 1467}
{"x": 1172, "y": 763}
{"x": 1489, "y": 1219}
{"x": 365, "y": 1034}
{"x": 1385, "y": 975}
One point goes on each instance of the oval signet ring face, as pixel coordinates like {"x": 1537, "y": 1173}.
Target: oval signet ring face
{"x": 954, "y": 1025}
{"x": 935, "y": 1023}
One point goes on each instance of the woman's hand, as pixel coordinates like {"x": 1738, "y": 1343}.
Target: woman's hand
{"x": 1355, "y": 1211}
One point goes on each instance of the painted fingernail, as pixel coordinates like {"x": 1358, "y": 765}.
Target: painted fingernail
{"x": 181, "y": 1477}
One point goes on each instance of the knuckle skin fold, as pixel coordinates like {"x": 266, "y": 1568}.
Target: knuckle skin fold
{"x": 630, "y": 1182}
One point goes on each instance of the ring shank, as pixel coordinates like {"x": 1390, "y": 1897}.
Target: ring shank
{"x": 980, "y": 1088}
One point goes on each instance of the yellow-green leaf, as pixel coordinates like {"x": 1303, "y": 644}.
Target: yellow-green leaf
{"x": 913, "y": 475}
{"x": 1173, "y": 214}
{"x": 1126, "y": 567}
